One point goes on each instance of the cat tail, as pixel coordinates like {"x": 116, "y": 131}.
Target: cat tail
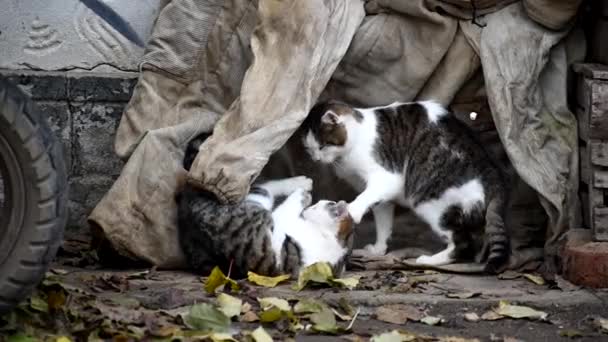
{"x": 496, "y": 236}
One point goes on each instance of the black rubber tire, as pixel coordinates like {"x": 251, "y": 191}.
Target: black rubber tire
{"x": 35, "y": 188}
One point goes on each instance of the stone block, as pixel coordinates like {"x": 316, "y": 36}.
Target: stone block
{"x": 94, "y": 128}
{"x": 49, "y": 86}
{"x": 85, "y": 192}
{"x": 59, "y": 118}
{"x": 115, "y": 87}
{"x": 586, "y": 264}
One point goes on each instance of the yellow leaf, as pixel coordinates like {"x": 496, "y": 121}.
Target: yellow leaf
{"x": 268, "y": 302}
{"x": 538, "y": 280}
{"x": 260, "y": 335}
{"x": 63, "y": 339}
{"x": 517, "y": 311}
{"x": 229, "y": 305}
{"x": 349, "y": 283}
{"x": 266, "y": 281}
{"x": 216, "y": 279}
{"x": 319, "y": 272}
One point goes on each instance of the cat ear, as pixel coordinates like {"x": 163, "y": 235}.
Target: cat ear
{"x": 330, "y": 118}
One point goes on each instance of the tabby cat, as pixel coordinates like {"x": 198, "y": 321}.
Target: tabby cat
{"x": 251, "y": 236}
{"x": 420, "y": 156}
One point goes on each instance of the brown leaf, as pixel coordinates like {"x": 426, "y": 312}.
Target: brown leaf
{"x": 491, "y": 316}
{"x": 249, "y": 316}
{"x": 463, "y": 295}
{"x": 471, "y": 317}
{"x": 398, "y": 313}
{"x": 509, "y": 275}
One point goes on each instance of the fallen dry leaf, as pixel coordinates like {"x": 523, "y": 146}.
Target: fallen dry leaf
{"x": 431, "y": 320}
{"x": 208, "y": 318}
{"x": 249, "y": 317}
{"x": 309, "y": 306}
{"x": 570, "y": 333}
{"x": 324, "y": 321}
{"x": 398, "y": 313}
{"x": 463, "y": 295}
{"x": 471, "y": 317}
{"x": 229, "y": 305}
{"x": 268, "y": 302}
{"x": 491, "y": 316}
{"x": 216, "y": 279}
{"x": 260, "y": 335}
{"x": 266, "y": 281}
{"x": 536, "y": 279}
{"x": 518, "y": 311}
{"x": 321, "y": 273}
{"x": 601, "y": 323}
{"x": 509, "y": 275}
{"x": 395, "y": 336}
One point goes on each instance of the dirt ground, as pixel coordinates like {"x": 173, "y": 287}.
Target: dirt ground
{"x": 80, "y": 300}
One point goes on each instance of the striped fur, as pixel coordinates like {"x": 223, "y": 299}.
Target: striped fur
{"x": 240, "y": 237}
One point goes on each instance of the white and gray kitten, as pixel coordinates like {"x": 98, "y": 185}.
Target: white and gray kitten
{"x": 417, "y": 155}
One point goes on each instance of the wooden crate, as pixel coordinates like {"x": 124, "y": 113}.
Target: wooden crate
{"x": 592, "y": 114}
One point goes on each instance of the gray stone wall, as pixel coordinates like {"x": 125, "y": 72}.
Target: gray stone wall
{"x": 84, "y": 110}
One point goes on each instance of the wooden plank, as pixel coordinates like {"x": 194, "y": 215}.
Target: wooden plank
{"x": 583, "y": 97}
{"x": 582, "y": 116}
{"x": 600, "y": 224}
{"x": 584, "y": 195}
{"x": 591, "y": 70}
{"x": 598, "y": 152}
{"x": 585, "y": 167}
{"x": 600, "y": 178}
{"x": 598, "y": 110}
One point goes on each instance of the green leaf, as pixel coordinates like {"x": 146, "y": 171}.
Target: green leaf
{"x": 272, "y": 315}
{"x": 324, "y": 321}
{"x": 260, "y": 335}
{"x": 319, "y": 272}
{"x": 216, "y": 279}
{"x": 307, "y": 305}
{"x": 21, "y": 338}
{"x": 268, "y": 302}
{"x": 266, "y": 281}
{"x": 394, "y": 336}
{"x": 517, "y": 311}
{"x": 207, "y": 317}
{"x": 229, "y": 305}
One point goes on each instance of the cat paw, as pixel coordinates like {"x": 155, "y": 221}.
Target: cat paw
{"x": 306, "y": 198}
{"x": 301, "y": 182}
{"x": 356, "y": 213}
{"x": 376, "y": 249}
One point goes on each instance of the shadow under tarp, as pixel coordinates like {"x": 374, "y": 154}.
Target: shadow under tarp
{"x": 250, "y": 71}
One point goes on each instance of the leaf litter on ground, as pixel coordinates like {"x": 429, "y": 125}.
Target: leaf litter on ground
{"x": 266, "y": 281}
{"x": 518, "y": 311}
{"x": 206, "y": 317}
{"x": 398, "y": 313}
{"x": 217, "y": 279}
{"x": 321, "y": 273}
{"x": 229, "y": 305}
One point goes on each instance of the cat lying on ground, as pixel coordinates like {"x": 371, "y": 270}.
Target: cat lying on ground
{"x": 420, "y": 156}
{"x": 252, "y": 236}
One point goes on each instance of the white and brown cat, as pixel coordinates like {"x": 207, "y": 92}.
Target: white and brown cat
{"x": 417, "y": 155}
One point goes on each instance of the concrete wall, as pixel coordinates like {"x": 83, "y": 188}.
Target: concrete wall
{"x": 67, "y": 35}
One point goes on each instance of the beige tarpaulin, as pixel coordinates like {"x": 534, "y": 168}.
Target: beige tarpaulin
{"x": 250, "y": 72}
